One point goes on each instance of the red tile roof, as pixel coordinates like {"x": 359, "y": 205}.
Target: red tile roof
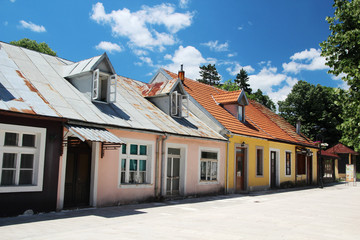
{"x": 260, "y": 121}
{"x": 228, "y": 97}
{"x": 328, "y": 154}
{"x": 341, "y": 148}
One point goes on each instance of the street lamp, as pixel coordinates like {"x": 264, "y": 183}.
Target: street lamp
{"x": 320, "y": 140}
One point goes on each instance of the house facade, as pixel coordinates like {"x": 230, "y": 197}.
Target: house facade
{"x": 264, "y": 151}
{"x": 76, "y": 134}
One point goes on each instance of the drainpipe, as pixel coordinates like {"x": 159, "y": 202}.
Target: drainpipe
{"x": 227, "y": 165}
{"x": 164, "y": 137}
{"x": 157, "y": 165}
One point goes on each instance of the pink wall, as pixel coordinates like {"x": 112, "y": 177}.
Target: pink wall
{"x": 109, "y": 192}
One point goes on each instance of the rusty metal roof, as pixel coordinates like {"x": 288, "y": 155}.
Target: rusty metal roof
{"x": 93, "y": 134}
{"x": 33, "y": 83}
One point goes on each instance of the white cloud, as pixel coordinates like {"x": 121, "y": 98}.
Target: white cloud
{"x": 232, "y": 55}
{"x": 306, "y": 60}
{"x": 140, "y": 27}
{"x": 12, "y": 1}
{"x": 235, "y": 68}
{"x": 240, "y": 28}
{"x": 109, "y": 47}
{"x": 338, "y": 77}
{"x": 343, "y": 85}
{"x": 268, "y": 79}
{"x": 33, "y": 27}
{"x": 190, "y": 57}
{"x": 215, "y": 46}
{"x": 184, "y": 3}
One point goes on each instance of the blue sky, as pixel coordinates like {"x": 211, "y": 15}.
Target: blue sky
{"x": 277, "y": 41}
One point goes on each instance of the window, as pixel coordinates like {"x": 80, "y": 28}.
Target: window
{"x": 179, "y": 104}
{"x": 208, "y": 166}
{"x": 103, "y": 87}
{"x": 21, "y": 158}
{"x": 135, "y": 164}
{"x": 241, "y": 113}
{"x": 287, "y": 163}
{"x": 259, "y": 161}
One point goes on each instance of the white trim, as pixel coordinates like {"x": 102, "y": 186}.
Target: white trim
{"x": 209, "y": 149}
{"x": 291, "y": 157}
{"x": 262, "y": 161}
{"x": 277, "y": 166}
{"x": 39, "y": 155}
{"x": 183, "y": 166}
{"x": 150, "y": 163}
{"x": 60, "y": 203}
{"x": 95, "y": 158}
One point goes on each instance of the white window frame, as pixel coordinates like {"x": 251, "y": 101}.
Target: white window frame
{"x": 39, "y": 155}
{"x": 111, "y": 87}
{"x": 177, "y": 102}
{"x": 148, "y": 157}
{"x": 241, "y": 113}
{"x": 288, "y": 151}
{"x": 207, "y": 160}
{"x": 262, "y": 161}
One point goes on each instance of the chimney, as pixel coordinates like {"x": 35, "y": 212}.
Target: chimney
{"x": 181, "y": 74}
{"x": 298, "y": 126}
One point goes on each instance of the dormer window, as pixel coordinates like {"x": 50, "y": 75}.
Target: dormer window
{"x": 103, "y": 87}
{"x": 177, "y": 102}
{"x": 241, "y": 113}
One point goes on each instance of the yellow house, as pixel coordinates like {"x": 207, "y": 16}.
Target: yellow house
{"x": 263, "y": 150}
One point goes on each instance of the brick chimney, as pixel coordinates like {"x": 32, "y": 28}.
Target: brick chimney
{"x": 181, "y": 74}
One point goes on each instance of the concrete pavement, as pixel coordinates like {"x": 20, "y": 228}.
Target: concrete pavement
{"x": 329, "y": 213}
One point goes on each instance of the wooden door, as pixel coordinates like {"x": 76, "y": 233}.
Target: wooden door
{"x": 77, "y": 176}
{"x": 240, "y": 169}
{"x": 309, "y": 170}
{"x": 273, "y": 169}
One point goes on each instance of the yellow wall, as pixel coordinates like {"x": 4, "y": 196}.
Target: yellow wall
{"x": 262, "y": 182}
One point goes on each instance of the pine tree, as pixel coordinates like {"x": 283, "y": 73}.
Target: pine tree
{"x": 209, "y": 75}
{"x": 242, "y": 80}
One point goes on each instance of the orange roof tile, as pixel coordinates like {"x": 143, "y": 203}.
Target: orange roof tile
{"x": 260, "y": 121}
{"x": 341, "y": 148}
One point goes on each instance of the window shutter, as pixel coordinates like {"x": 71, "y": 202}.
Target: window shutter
{"x": 95, "y": 85}
{"x": 174, "y": 104}
{"x": 185, "y": 106}
{"x": 111, "y": 94}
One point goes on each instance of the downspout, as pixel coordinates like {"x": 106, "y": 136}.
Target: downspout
{"x": 162, "y": 162}
{"x": 157, "y": 160}
{"x": 227, "y": 164}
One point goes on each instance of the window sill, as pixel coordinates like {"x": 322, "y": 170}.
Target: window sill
{"x": 259, "y": 176}
{"x": 204, "y": 182}
{"x": 131, "y": 185}
{"x": 288, "y": 175}
{"x": 15, "y": 189}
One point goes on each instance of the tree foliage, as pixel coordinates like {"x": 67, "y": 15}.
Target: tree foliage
{"x": 242, "y": 80}
{"x": 209, "y": 75}
{"x": 313, "y": 106}
{"x": 33, "y": 45}
{"x": 264, "y": 99}
{"x": 342, "y": 52}
{"x": 229, "y": 85}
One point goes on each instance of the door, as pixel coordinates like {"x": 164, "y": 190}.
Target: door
{"x": 77, "y": 176}
{"x": 273, "y": 169}
{"x": 173, "y": 172}
{"x": 309, "y": 170}
{"x": 240, "y": 169}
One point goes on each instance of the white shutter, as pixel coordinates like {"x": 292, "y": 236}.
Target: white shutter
{"x": 185, "y": 106}
{"x": 173, "y": 104}
{"x": 95, "y": 85}
{"x": 111, "y": 94}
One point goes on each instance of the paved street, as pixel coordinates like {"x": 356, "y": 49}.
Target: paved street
{"x": 329, "y": 213}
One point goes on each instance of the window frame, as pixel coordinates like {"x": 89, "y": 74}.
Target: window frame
{"x": 177, "y": 102}
{"x": 207, "y": 160}
{"x": 38, "y": 151}
{"x": 258, "y": 148}
{"x": 128, "y": 157}
{"x": 96, "y": 87}
{"x": 242, "y": 108}
{"x": 290, "y": 164}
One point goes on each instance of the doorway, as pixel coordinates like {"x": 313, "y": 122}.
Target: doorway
{"x": 240, "y": 169}
{"x": 77, "y": 176}
{"x": 309, "y": 170}
{"x": 173, "y": 172}
{"x": 273, "y": 162}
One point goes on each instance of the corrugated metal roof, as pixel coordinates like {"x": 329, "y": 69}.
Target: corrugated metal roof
{"x": 93, "y": 134}
{"x": 31, "y": 82}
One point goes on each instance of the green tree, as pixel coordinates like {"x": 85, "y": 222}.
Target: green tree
{"x": 209, "y": 75}
{"x": 342, "y": 52}
{"x": 263, "y": 99}
{"x": 33, "y": 45}
{"x": 229, "y": 85}
{"x": 242, "y": 80}
{"x": 314, "y": 106}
